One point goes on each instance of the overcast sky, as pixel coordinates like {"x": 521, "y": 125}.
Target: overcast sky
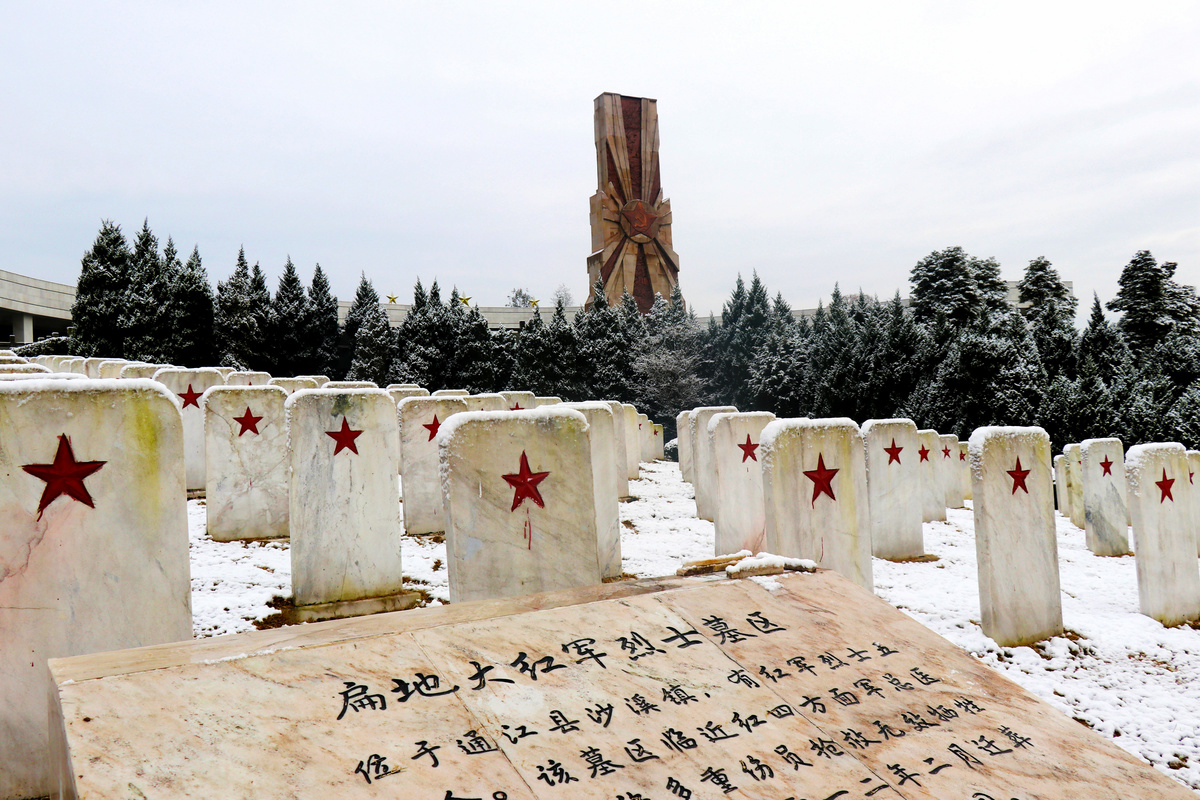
{"x": 812, "y": 142}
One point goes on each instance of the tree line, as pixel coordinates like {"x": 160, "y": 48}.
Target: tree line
{"x": 956, "y": 356}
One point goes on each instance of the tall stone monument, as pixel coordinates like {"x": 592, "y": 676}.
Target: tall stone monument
{"x": 631, "y": 222}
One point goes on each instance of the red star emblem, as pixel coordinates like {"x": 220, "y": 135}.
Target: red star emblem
{"x": 822, "y": 479}
{"x": 945, "y": 452}
{"x": 1106, "y": 465}
{"x": 1164, "y": 486}
{"x": 432, "y": 427}
{"x": 525, "y": 484}
{"x": 1191, "y": 476}
{"x": 64, "y": 476}
{"x": 248, "y": 421}
{"x": 1018, "y": 476}
{"x": 747, "y": 449}
{"x": 640, "y": 218}
{"x": 344, "y": 438}
{"x": 962, "y": 456}
{"x": 516, "y": 407}
{"x": 893, "y": 452}
{"x": 190, "y": 398}
{"x": 924, "y": 451}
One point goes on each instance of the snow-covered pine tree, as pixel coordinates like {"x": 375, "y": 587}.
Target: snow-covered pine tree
{"x": 565, "y": 346}
{"x": 600, "y": 366}
{"x": 320, "y": 327}
{"x": 374, "y": 347}
{"x": 745, "y": 325}
{"x": 943, "y": 284}
{"x": 235, "y": 325}
{"x": 144, "y": 297}
{"x": 365, "y": 298}
{"x": 1103, "y": 344}
{"x": 412, "y": 354}
{"x": 1143, "y": 301}
{"x": 475, "y": 355}
{"x": 96, "y": 312}
{"x": 535, "y": 363}
{"x": 171, "y": 273}
{"x": 290, "y": 312}
{"x": 1051, "y": 317}
{"x": 261, "y": 356}
{"x": 190, "y": 339}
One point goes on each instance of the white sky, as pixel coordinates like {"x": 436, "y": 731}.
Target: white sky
{"x": 809, "y": 142}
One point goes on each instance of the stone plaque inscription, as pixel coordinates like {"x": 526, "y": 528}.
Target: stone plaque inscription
{"x": 804, "y": 686}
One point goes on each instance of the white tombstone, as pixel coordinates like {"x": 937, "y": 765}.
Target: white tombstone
{"x": 28, "y": 369}
{"x": 1105, "y": 508}
{"x": 398, "y": 392}
{"x": 741, "y": 515}
{"x": 74, "y": 364}
{"x": 344, "y": 514}
{"x": 602, "y": 432}
{"x": 93, "y": 544}
{"x": 391, "y": 386}
{"x": 248, "y": 378}
{"x": 450, "y": 393}
{"x": 948, "y": 463}
{"x": 290, "y": 385}
{"x": 41, "y": 376}
{"x": 933, "y": 497}
{"x": 1073, "y": 462}
{"x": 519, "y": 400}
{"x": 486, "y": 402}
{"x": 657, "y": 450}
{"x": 139, "y": 370}
{"x": 520, "y": 509}
{"x": 964, "y": 470}
{"x": 225, "y": 371}
{"x": 704, "y": 470}
{"x": 633, "y": 445}
{"x": 246, "y": 461}
{"x": 189, "y": 385}
{"x": 538, "y": 402}
{"x": 320, "y": 379}
{"x": 645, "y": 432}
{"x": 420, "y": 420}
{"x": 1015, "y": 542}
{"x": 91, "y": 366}
{"x": 349, "y": 385}
{"x": 815, "y": 494}
{"x": 1193, "y": 473}
{"x": 110, "y": 369}
{"x": 1062, "y": 498}
{"x": 894, "y": 488}
{"x": 1164, "y": 514}
{"x": 683, "y": 445}
{"x": 618, "y": 412}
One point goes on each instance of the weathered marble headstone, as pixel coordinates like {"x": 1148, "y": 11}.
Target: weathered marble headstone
{"x": 618, "y": 412}
{"x": 391, "y": 386}
{"x": 15, "y": 369}
{"x": 110, "y": 369}
{"x": 139, "y": 370}
{"x": 704, "y": 468}
{"x": 519, "y": 400}
{"x": 1163, "y": 510}
{"x": 1104, "y": 496}
{"x": 964, "y": 470}
{"x": 1193, "y": 473}
{"x": 344, "y": 511}
{"x": 933, "y": 497}
{"x": 741, "y": 515}
{"x": 1073, "y": 461}
{"x": 815, "y": 494}
{"x": 320, "y": 379}
{"x": 248, "y": 378}
{"x": 93, "y": 543}
{"x": 91, "y": 366}
{"x": 633, "y": 444}
{"x": 894, "y": 488}
{"x": 420, "y": 420}
{"x": 246, "y": 461}
{"x": 645, "y": 432}
{"x": 1015, "y": 542}
{"x": 948, "y": 463}
{"x": 349, "y": 385}
{"x": 657, "y": 452}
{"x": 189, "y": 385}
{"x": 290, "y": 385}
{"x": 41, "y": 376}
{"x": 520, "y": 503}
{"x": 74, "y": 364}
{"x": 602, "y": 433}
{"x": 538, "y": 402}
{"x": 661, "y": 693}
{"x": 1062, "y": 498}
{"x": 450, "y": 393}
{"x": 398, "y": 392}
{"x": 683, "y": 444}
{"x": 486, "y": 402}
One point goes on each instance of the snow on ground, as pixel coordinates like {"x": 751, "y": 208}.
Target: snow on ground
{"x": 1121, "y": 673}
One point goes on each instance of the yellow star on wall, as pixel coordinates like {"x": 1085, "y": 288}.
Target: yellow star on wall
{"x": 391, "y": 298}
{"x": 533, "y": 303}
{"x": 466, "y": 301}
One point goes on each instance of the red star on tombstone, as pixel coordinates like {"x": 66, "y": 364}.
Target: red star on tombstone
{"x": 516, "y": 407}
{"x": 344, "y": 438}
{"x": 432, "y": 427}
{"x": 1191, "y": 478}
{"x": 1106, "y": 465}
{"x": 748, "y": 450}
{"x": 893, "y": 452}
{"x": 822, "y": 479}
{"x": 1164, "y": 486}
{"x": 525, "y": 484}
{"x": 248, "y": 421}
{"x": 190, "y": 398}
{"x": 64, "y": 476}
{"x": 1018, "y": 476}
{"x": 945, "y": 452}
{"x": 962, "y": 456}
{"x": 924, "y": 451}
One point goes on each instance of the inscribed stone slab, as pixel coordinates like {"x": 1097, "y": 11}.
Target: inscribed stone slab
{"x": 704, "y": 469}
{"x": 741, "y": 516}
{"x": 657, "y": 452}
{"x": 93, "y": 543}
{"x": 1105, "y": 507}
{"x": 893, "y": 488}
{"x": 420, "y": 420}
{"x": 188, "y": 385}
{"x": 933, "y": 498}
{"x": 519, "y": 400}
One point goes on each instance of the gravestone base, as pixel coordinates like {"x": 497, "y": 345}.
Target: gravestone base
{"x": 320, "y": 612}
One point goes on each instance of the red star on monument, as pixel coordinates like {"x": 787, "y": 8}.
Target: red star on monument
{"x": 962, "y": 456}
{"x": 893, "y": 452}
{"x": 64, "y": 476}
{"x": 748, "y": 450}
{"x": 822, "y": 479}
{"x": 248, "y": 421}
{"x": 344, "y": 438}
{"x": 945, "y": 452}
{"x": 1018, "y": 476}
{"x": 1106, "y": 465}
{"x": 525, "y": 484}
{"x": 516, "y": 407}
{"x": 1164, "y": 486}
{"x": 1191, "y": 478}
{"x": 190, "y": 398}
{"x": 924, "y": 451}
{"x": 432, "y": 427}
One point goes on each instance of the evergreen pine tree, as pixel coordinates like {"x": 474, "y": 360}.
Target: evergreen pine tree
{"x": 475, "y": 356}
{"x": 745, "y": 324}
{"x": 374, "y": 347}
{"x": 1183, "y": 420}
{"x": 600, "y": 349}
{"x": 565, "y": 346}
{"x": 261, "y": 354}
{"x": 144, "y": 297}
{"x": 943, "y": 284}
{"x": 535, "y": 364}
{"x": 1143, "y": 301}
{"x": 96, "y": 312}
{"x": 1051, "y": 316}
{"x": 290, "y": 313}
{"x": 235, "y": 325}
{"x": 320, "y": 327}
{"x": 1102, "y": 344}
{"x": 190, "y": 341}
{"x": 365, "y": 298}
{"x": 666, "y": 367}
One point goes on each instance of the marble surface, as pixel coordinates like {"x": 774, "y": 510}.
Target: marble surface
{"x": 893, "y": 488}
{"x": 486, "y": 402}
{"x": 538, "y": 402}
{"x": 704, "y": 468}
{"x": 450, "y": 393}
{"x": 1105, "y": 506}
{"x": 1073, "y": 461}
{"x": 320, "y": 379}
{"x": 111, "y": 369}
{"x": 423, "y": 511}
{"x": 622, "y": 468}
{"x": 104, "y": 565}
{"x": 263, "y": 716}
{"x": 948, "y": 464}
{"x": 246, "y": 461}
{"x": 290, "y": 385}
{"x": 523, "y": 399}
{"x": 1163, "y": 506}
{"x": 602, "y": 432}
{"x": 19, "y": 368}
{"x": 741, "y": 516}
{"x": 964, "y": 469}
{"x": 248, "y": 378}
{"x": 349, "y": 385}
{"x": 1194, "y": 467}
{"x": 933, "y": 497}
{"x": 645, "y": 432}
{"x": 398, "y": 393}
{"x": 1062, "y": 498}
{"x": 659, "y": 443}
{"x": 344, "y": 513}
{"x": 520, "y": 502}
{"x": 139, "y": 370}
{"x": 178, "y": 381}
{"x": 91, "y": 366}
{"x": 1015, "y": 543}
{"x": 633, "y": 443}
{"x": 815, "y": 494}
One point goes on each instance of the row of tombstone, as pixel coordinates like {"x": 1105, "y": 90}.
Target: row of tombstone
{"x": 837, "y": 494}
